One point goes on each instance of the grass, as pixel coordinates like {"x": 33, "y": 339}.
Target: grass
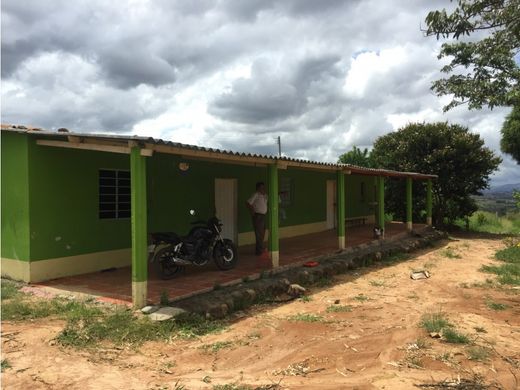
{"x": 453, "y": 336}
{"x": 20, "y": 308}
{"x": 483, "y": 221}
{"x": 9, "y": 289}
{"x": 121, "y": 326}
{"x": 306, "y": 298}
{"x": 509, "y": 272}
{"x": 478, "y": 353}
{"x": 215, "y": 347}
{"x": 450, "y": 253}
{"x": 361, "y": 298}
{"x": 5, "y": 365}
{"x": 495, "y": 305}
{"x": 435, "y": 322}
{"x": 305, "y": 317}
{"x": 480, "y": 329}
{"x": 232, "y": 386}
{"x": 339, "y": 309}
{"x": 377, "y": 283}
{"x": 422, "y": 343}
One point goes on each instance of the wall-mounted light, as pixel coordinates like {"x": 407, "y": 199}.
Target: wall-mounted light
{"x": 184, "y": 166}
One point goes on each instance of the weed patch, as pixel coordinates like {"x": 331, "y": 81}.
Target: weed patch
{"x": 361, "y": 298}
{"x": 9, "y": 289}
{"x": 377, "y": 283}
{"x": 305, "y": 317}
{"x": 495, "y": 305}
{"x": 339, "y": 309}
{"x": 122, "y": 327}
{"x": 478, "y": 353}
{"x": 215, "y": 347}
{"x": 22, "y": 308}
{"x": 450, "y": 253}
{"x": 453, "y": 336}
{"x": 5, "y": 364}
{"x": 435, "y": 322}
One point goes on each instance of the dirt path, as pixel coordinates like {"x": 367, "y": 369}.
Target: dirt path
{"x": 375, "y": 344}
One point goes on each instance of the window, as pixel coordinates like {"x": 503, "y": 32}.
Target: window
{"x": 114, "y": 194}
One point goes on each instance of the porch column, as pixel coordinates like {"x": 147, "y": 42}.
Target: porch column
{"x": 409, "y": 224}
{"x": 139, "y": 228}
{"x": 340, "y": 207}
{"x": 273, "y": 215}
{"x": 381, "y": 203}
{"x": 429, "y": 202}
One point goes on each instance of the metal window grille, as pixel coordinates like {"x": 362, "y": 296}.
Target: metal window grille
{"x": 114, "y": 194}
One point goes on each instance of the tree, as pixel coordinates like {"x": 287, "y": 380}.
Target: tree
{"x": 357, "y": 157}
{"x": 450, "y": 151}
{"x": 510, "y": 142}
{"x": 483, "y": 70}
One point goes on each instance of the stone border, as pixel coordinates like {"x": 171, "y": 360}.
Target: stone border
{"x": 238, "y": 295}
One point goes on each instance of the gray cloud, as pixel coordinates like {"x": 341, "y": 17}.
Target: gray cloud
{"x": 324, "y": 75}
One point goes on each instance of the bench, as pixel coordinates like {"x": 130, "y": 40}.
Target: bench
{"x": 355, "y": 221}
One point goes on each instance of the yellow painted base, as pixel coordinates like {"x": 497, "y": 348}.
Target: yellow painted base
{"x": 409, "y": 226}
{"x": 16, "y": 269}
{"x": 248, "y": 238}
{"x": 42, "y": 270}
{"x": 341, "y": 242}
{"x": 429, "y": 221}
{"x": 139, "y": 294}
{"x": 275, "y": 258}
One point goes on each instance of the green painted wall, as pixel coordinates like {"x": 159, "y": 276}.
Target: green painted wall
{"x": 64, "y": 203}
{"x": 15, "y": 196}
{"x": 357, "y": 203}
{"x": 172, "y": 192}
{"x": 63, "y": 200}
{"x": 308, "y": 200}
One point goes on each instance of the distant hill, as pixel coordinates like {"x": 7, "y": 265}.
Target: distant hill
{"x": 505, "y": 188}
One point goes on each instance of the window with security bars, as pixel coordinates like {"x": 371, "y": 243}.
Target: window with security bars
{"x": 114, "y": 194}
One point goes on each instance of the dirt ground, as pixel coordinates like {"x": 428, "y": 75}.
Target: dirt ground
{"x": 378, "y": 344}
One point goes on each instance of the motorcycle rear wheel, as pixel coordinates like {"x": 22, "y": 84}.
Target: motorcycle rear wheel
{"x": 164, "y": 264}
{"x": 225, "y": 255}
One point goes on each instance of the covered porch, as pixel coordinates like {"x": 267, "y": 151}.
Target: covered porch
{"x": 164, "y": 178}
{"x": 113, "y": 285}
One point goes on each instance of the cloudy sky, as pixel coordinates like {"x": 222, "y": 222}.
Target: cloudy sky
{"x": 233, "y": 74}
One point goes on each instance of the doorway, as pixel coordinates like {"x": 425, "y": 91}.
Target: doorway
{"x": 226, "y": 207}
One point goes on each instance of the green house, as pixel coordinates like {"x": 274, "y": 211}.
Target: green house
{"x": 77, "y": 203}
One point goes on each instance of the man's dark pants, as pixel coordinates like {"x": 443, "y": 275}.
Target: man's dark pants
{"x": 259, "y": 226}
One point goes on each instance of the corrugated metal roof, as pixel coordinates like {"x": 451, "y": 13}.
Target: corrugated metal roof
{"x": 64, "y": 133}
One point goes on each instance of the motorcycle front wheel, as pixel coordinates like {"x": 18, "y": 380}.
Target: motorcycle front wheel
{"x": 225, "y": 255}
{"x": 164, "y": 264}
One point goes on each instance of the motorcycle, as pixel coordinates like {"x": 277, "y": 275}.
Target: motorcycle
{"x": 170, "y": 253}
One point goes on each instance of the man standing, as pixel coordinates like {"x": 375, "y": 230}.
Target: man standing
{"x": 257, "y": 205}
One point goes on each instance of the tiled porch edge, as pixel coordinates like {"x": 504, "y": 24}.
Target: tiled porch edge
{"x": 297, "y": 264}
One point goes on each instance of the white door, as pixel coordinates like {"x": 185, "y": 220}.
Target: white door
{"x": 226, "y": 207}
{"x": 331, "y": 204}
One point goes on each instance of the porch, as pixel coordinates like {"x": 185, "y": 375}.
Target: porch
{"x": 115, "y": 285}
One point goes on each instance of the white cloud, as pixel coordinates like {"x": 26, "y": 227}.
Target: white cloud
{"x": 228, "y": 73}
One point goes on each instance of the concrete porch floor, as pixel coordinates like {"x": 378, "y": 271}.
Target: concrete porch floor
{"x": 115, "y": 285}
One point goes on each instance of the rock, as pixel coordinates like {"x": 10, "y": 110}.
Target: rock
{"x": 166, "y": 313}
{"x": 296, "y": 290}
{"x": 422, "y": 274}
{"x": 149, "y": 309}
{"x": 337, "y": 301}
